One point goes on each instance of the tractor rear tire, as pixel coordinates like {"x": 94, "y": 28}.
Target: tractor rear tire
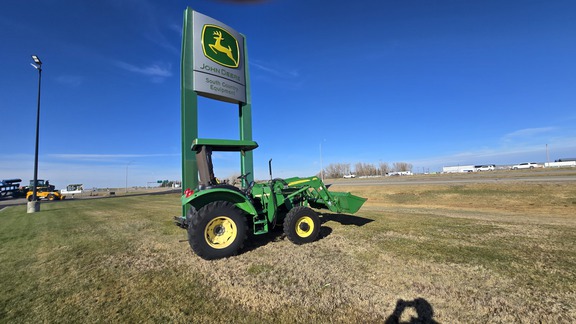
{"x": 217, "y": 230}
{"x": 302, "y": 225}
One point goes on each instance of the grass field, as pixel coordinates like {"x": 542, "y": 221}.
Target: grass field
{"x": 501, "y": 252}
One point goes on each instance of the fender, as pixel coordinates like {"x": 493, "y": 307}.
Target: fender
{"x": 203, "y": 197}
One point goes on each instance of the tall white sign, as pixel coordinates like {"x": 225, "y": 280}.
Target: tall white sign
{"x": 218, "y": 53}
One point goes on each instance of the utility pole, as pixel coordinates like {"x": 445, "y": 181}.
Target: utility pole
{"x": 321, "y": 164}
{"x": 34, "y": 205}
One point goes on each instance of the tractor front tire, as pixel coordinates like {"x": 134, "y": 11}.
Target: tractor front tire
{"x": 302, "y": 225}
{"x": 217, "y": 230}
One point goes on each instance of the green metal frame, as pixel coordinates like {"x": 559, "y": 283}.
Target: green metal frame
{"x": 189, "y": 107}
{"x": 189, "y": 112}
{"x": 225, "y": 145}
{"x": 245, "y": 112}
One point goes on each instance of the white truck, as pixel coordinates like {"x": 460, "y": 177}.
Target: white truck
{"x": 399, "y": 173}
{"x": 73, "y": 189}
{"x": 484, "y": 167}
{"x": 526, "y": 165}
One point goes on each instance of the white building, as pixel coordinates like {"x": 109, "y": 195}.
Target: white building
{"x": 560, "y": 164}
{"x": 458, "y": 169}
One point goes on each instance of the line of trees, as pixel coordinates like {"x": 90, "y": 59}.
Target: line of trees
{"x": 338, "y": 170}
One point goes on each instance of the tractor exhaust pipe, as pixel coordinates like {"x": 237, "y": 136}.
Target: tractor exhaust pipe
{"x": 270, "y": 168}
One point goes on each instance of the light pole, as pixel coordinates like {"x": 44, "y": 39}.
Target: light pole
{"x": 34, "y": 205}
{"x": 321, "y": 164}
{"x": 127, "y": 175}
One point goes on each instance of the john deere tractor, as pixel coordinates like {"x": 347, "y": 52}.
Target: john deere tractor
{"x": 220, "y": 215}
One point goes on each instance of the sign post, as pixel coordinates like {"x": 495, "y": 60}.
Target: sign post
{"x": 214, "y": 65}
{"x": 189, "y": 107}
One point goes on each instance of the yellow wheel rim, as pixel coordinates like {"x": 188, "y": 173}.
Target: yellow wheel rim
{"x": 220, "y": 232}
{"x": 304, "y": 226}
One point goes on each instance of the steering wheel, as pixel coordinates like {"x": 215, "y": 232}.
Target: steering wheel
{"x": 244, "y": 176}
{"x": 248, "y": 189}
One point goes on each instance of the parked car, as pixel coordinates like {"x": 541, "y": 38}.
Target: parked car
{"x": 349, "y": 176}
{"x": 526, "y": 165}
{"x": 490, "y": 167}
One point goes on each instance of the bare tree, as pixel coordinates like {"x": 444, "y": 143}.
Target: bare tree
{"x": 384, "y": 168}
{"x": 359, "y": 167}
{"x": 365, "y": 169}
{"x": 337, "y": 170}
{"x": 402, "y": 166}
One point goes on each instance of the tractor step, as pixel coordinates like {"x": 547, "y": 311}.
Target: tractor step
{"x": 260, "y": 225}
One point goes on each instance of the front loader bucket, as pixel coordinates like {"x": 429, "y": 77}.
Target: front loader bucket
{"x": 347, "y": 202}
{"x": 320, "y": 197}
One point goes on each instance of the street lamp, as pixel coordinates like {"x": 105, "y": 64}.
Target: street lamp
{"x": 321, "y": 164}
{"x": 127, "y": 175}
{"x": 34, "y": 205}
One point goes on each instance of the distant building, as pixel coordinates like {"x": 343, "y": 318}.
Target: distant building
{"x": 560, "y": 164}
{"x": 458, "y": 169}
{"x": 566, "y": 160}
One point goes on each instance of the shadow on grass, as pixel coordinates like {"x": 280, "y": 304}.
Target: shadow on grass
{"x": 345, "y": 219}
{"x": 424, "y": 312}
{"x": 254, "y": 242}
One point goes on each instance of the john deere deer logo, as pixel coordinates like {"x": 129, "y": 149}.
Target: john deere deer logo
{"x": 219, "y": 46}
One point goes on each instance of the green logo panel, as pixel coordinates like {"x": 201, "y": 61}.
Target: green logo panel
{"x": 220, "y": 46}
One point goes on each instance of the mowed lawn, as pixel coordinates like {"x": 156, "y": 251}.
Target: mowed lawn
{"x": 502, "y": 252}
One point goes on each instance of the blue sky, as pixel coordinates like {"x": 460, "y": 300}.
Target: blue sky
{"x": 432, "y": 83}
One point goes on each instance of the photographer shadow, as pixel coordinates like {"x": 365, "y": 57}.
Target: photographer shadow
{"x": 424, "y": 312}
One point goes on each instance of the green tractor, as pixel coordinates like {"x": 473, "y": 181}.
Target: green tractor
{"x": 220, "y": 215}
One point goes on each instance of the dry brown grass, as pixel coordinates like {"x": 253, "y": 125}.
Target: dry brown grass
{"x": 545, "y": 201}
{"x": 474, "y": 252}
{"x": 437, "y": 242}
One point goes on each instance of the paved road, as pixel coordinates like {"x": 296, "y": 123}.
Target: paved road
{"x": 413, "y": 181}
{"x": 6, "y": 202}
{"x": 542, "y": 176}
